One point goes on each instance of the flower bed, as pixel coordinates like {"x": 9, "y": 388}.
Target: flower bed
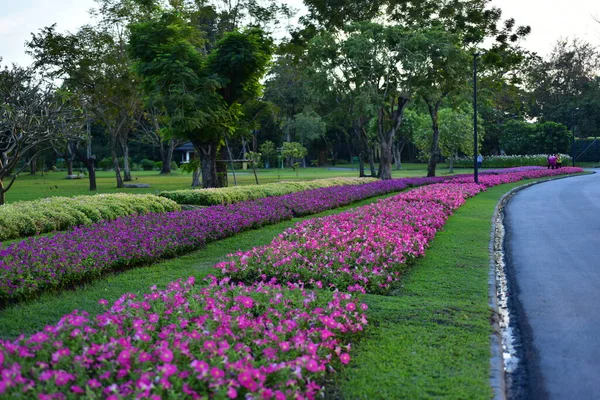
{"x": 533, "y": 173}
{"x": 29, "y": 218}
{"x": 230, "y": 195}
{"x": 360, "y": 250}
{"x": 44, "y": 263}
{"x": 220, "y": 341}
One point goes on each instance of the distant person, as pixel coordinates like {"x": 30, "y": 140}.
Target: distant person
{"x": 552, "y": 161}
{"x": 558, "y": 160}
{"x": 479, "y": 161}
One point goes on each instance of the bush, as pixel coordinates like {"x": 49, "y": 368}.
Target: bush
{"x": 107, "y": 163}
{"x": 147, "y": 165}
{"x": 511, "y": 161}
{"x": 30, "y": 218}
{"x": 230, "y": 195}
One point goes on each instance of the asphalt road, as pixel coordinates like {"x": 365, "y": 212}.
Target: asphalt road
{"x": 553, "y": 254}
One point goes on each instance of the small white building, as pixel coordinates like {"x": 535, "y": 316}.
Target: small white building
{"x": 187, "y": 151}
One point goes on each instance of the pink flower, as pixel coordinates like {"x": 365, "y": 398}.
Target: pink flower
{"x": 312, "y": 365}
{"x": 169, "y": 369}
{"x": 245, "y": 301}
{"x": 62, "y": 378}
{"x": 284, "y": 346}
{"x": 350, "y": 307}
{"x": 77, "y": 389}
{"x": 217, "y": 373}
{"x": 345, "y": 358}
{"x": 94, "y": 384}
{"x": 232, "y": 393}
{"x": 103, "y": 302}
{"x": 166, "y": 355}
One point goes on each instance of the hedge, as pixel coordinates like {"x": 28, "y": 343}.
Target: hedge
{"x": 511, "y": 161}
{"x": 230, "y": 195}
{"x": 28, "y": 218}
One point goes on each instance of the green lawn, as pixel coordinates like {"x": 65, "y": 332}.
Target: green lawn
{"x": 31, "y": 187}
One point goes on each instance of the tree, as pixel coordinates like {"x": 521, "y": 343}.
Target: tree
{"x": 440, "y": 68}
{"x": 520, "y": 137}
{"x": 201, "y": 95}
{"x": 295, "y": 151}
{"x": 268, "y": 151}
{"x": 567, "y": 80}
{"x": 456, "y": 134}
{"x": 365, "y": 68}
{"x": 94, "y": 67}
{"x": 32, "y": 116}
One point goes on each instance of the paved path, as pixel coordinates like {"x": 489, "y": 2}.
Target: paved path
{"x": 553, "y": 252}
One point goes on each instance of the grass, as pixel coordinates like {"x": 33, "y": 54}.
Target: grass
{"x": 31, "y": 187}
{"x": 431, "y": 338}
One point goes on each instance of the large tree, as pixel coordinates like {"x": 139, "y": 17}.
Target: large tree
{"x": 567, "y": 80}
{"x": 202, "y": 94}
{"x": 33, "y": 115}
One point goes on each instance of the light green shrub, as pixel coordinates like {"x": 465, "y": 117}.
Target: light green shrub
{"x": 511, "y": 161}
{"x": 230, "y": 195}
{"x": 29, "y": 218}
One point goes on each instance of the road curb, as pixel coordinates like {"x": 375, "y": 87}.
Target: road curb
{"x": 496, "y": 249}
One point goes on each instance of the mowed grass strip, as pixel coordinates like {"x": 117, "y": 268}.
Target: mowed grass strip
{"x": 32, "y": 316}
{"x": 431, "y": 338}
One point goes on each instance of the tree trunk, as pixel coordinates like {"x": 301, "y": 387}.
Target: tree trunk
{"x": 69, "y": 162}
{"x": 451, "y": 163}
{"x": 196, "y": 178}
{"x": 126, "y": 167}
{"x": 166, "y": 156}
{"x": 33, "y": 166}
{"x": 208, "y": 163}
{"x": 398, "y": 155}
{"x": 435, "y": 143}
{"x": 361, "y": 165}
{"x": 88, "y": 161}
{"x": 115, "y": 160}
{"x": 386, "y": 136}
{"x": 2, "y": 193}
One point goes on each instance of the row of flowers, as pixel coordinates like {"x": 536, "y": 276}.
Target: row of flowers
{"x": 224, "y": 339}
{"x": 228, "y": 340}
{"x": 84, "y": 253}
{"x": 361, "y": 250}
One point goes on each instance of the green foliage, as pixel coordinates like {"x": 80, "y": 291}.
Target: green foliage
{"x": 229, "y": 195}
{"x": 107, "y": 163}
{"x": 456, "y": 133}
{"x": 293, "y": 150}
{"x": 30, "y": 218}
{"x": 269, "y": 151}
{"x": 308, "y": 126}
{"x": 520, "y": 137}
{"x": 148, "y": 165}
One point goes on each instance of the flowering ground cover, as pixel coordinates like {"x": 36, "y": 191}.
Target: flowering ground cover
{"x": 225, "y": 340}
{"x": 85, "y": 253}
{"x": 494, "y": 179}
{"x": 361, "y": 250}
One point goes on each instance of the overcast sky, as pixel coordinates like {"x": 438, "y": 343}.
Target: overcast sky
{"x": 549, "y": 20}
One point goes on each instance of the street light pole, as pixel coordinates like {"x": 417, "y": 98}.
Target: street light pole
{"x": 475, "y": 144}
{"x": 573, "y": 141}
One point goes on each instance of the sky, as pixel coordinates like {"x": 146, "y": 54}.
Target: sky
{"x": 549, "y": 20}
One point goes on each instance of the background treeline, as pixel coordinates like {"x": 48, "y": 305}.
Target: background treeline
{"x": 376, "y": 84}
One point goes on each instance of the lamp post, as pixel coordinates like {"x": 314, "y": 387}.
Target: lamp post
{"x": 573, "y": 141}
{"x": 475, "y": 144}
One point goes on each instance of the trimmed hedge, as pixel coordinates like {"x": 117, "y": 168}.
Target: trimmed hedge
{"x": 28, "y": 218}
{"x": 511, "y": 161}
{"x": 230, "y": 195}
